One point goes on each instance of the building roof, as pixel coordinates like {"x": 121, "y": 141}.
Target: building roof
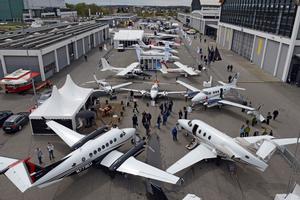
{"x": 210, "y": 3}
{"x": 129, "y": 35}
{"x": 38, "y": 38}
{"x": 64, "y": 103}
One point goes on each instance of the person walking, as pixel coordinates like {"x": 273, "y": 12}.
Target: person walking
{"x": 185, "y": 112}
{"x": 161, "y": 107}
{"x": 275, "y": 114}
{"x": 85, "y": 58}
{"x": 254, "y": 121}
{"x": 269, "y": 117}
{"x": 229, "y": 78}
{"x": 50, "y": 149}
{"x": 135, "y": 109}
{"x": 144, "y": 118}
{"x": 158, "y": 121}
{"x": 242, "y": 131}
{"x": 271, "y": 133}
{"x": 148, "y": 118}
{"x": 174, "y": 133}
{"x": 165, "y": 118}
{"x": 134, "y": 121}
{"x": 180, "y": 114}
{"x": 39, "y": 154}
{"x": 247, "y": 131}
{"x": 147, "y": 128}
{"x": 171, "y": 105}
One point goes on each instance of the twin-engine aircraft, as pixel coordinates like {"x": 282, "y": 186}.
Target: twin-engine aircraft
{"x": 214, "y": 143}
{"x": 182, "y": 69}
{"x": 131, "y": 71}
{"x": 95, "y": 149}
{"x": 214, "y": 96}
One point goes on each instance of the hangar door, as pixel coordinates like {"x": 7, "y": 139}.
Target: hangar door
{"x": 242, "y": 44}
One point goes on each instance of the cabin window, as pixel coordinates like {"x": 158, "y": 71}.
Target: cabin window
{"x": 199, "y": 131}
{"x": 99, "y": 149}
{"x": 95, "y": 152}
{"x": 91, "y": 155}
{"x": 111, "y": 142}
{"x": 115, "y": 139}
{"x": 247, "y": 156}
{"x": 190, "y": 123}
{"x": 209, "y": 137}
{"x": 106, "y": 144}
{"x": 121, "y": 135}
{"x": 204, "y": 134}
{"x": 103, "y": 147}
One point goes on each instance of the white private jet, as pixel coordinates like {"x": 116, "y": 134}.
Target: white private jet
{"x": 92, "y": 150}
{"x": 154, "y": 92}
{"x": 214, "y": 143}
{"x": 130, "y": 71}
{"x": 214, "y": 96}
{"x": 162, "y": 48}
{"x": 182, "y": 69}
{"x": 171, "y": 43}
{"x": 155, "y": 54}
{"x": 162, "y": 36}
{"x": 106, "y": 87}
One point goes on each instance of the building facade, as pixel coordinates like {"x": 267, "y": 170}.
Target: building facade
{"x": 48, "y": 50}
{"x": 204, "y": 17}
{"x": 265, "y": 32}
{"x": 11, "y": 10}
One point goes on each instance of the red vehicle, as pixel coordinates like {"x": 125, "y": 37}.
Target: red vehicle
{"x": 18, "y": 81}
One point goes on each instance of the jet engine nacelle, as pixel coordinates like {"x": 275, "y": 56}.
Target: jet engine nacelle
{"x": 134, "y": 151}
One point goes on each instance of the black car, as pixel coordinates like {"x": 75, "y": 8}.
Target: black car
{"x": 4, "y": 115}
{"x": 15, "y": 122}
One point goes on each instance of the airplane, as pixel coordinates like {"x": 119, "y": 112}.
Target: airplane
{"x": 155, "y": 54}
{"x": 96, "y": 149}
{"x": 214, "y": 96}
{"x": 166, "y": 47}
{"x": 106, "y": 87}
{"x": 130, "y": 71}
{"x": 154, "y": 92}
{"x": 183, "y": 69}
{"x": 161, "y": 36}
{"x": 171, "y": 43}
{"x": 216, "y": 144}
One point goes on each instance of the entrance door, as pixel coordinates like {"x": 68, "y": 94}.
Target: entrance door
{"x": 194, "y": 131}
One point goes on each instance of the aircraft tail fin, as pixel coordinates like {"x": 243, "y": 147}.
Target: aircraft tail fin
{"x": 22, "y": 173}
{"x": 141, "y": 43}
{"x": 163, "y": 68}
{"x": 105, "y": 65}
{"x": 235, "y": 79}
{"x": 138, "y": 51}
{"x": 96, "y": 79}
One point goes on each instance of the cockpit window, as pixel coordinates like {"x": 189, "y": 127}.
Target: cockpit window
{"x": 190, "y": 123}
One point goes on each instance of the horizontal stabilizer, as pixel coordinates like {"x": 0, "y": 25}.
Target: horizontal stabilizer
{"x": 266, "y": 149}
{"x": 18, "y": 175}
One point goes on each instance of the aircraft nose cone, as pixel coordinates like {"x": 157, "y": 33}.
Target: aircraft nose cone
{"x": 183, "y": 123}
{"x": 129, "y": 131}
{"x": 199, "y": 98}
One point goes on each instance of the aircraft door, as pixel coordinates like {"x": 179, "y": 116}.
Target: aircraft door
{"x": 194, "y": 131}
{"x": 221, "y": 93}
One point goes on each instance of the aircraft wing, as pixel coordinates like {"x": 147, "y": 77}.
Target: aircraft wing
{"x": 4, "y": 162}
{"x": 121, "y": 85}
{"x": 188, "y": 86}
{"x": 143, "y": 92}
{"x": 201, "y": 152}
{"x": 166, "y": 93}
{"x": 69, "y": 136}
{"x": 188, "y": 70}
{"x": 128, "y": 69}
{"x": 138, "y": 168}
{"x": 230, "y": 103}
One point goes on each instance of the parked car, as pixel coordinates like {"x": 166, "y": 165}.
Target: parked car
{"x": 191, "y": 32}
{"x": 16, "y": 122}
{"x": 44, "y": 96}
{"x": 4, "y": 115}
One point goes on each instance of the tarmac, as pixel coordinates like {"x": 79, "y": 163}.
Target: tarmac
{"x": 207, "y": 179}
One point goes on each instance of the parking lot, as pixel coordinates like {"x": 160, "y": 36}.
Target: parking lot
{"x": 205, "y": 179}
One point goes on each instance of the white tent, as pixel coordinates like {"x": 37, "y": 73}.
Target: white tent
{"x": 128, "y": 38}
{"x": 63, "y": 105}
